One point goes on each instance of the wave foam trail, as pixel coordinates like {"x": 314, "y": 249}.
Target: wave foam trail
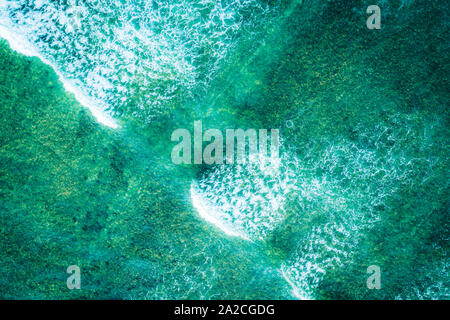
{"x": 244, "y": 199}
{"x": 325, "y": 200}
{"x": 211, "y": 214}
{"x": 18, "y": 43}
{"x": 132, "y": 56}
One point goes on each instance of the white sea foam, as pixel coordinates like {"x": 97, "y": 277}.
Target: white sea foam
{"x": 212, "y": 214}
{"x": 331, "y": 194}
{"x": 244, "y": 200}
{"x": 131, "y": 57}
{"x": 19, "y": 43}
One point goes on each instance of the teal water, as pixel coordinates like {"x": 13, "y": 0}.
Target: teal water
{"x": 87, "y": 179}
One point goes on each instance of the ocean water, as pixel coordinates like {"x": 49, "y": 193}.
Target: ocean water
{"x": 361, "y": 179}
{"x": 133, "y": 57}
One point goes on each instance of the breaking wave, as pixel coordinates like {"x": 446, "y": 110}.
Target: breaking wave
{"x": 333, "y": 193}
{"x": 133, "y": 57}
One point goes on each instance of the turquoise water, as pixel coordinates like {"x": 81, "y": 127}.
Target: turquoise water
{"x": 87, "y": 179}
